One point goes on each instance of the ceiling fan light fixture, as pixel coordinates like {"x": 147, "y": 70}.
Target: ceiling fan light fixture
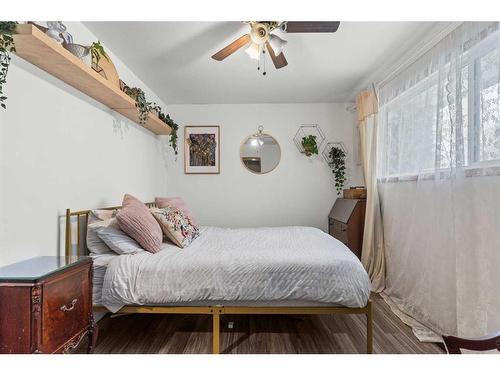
{"x": 277, "y": 44}
{"x": 259, "y": 33}
{"x": 253, "y": 51}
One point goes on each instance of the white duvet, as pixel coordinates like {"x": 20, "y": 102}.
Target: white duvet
{"x": 298, "y": 266}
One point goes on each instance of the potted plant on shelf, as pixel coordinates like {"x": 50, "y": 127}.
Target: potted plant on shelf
{"x": 7, "y": 28}
{"x": 102, "y": 64}
{"x": 337, "y": 158}
{"x": 310, "y": 145}
{"x": 97, "y": 51}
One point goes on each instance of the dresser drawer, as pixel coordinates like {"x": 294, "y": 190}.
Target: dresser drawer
{"x": 66, "y": 306}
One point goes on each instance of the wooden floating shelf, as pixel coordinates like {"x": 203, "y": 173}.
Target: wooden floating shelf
{"x": 39, "y": 49}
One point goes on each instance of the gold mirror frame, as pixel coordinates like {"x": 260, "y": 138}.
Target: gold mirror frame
{"x": 259, "y": 134}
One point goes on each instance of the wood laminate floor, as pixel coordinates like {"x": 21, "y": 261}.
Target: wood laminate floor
{"x": 256, "y": 334}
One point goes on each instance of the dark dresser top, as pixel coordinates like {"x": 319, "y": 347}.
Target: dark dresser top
{"x": 38, "y": 268}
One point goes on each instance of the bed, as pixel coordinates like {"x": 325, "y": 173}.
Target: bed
{"x": 282, "y": 270}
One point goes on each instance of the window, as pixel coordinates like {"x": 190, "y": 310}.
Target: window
{"x": 449, "y": 119}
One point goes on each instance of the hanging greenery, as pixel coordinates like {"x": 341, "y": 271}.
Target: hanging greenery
{"x": 142, "y": 105}
{"x": 144, "y": 108}
{"x": 310, "y": 145}
{"x": 6, "y": 47}
{"x": 337, "y": 158}
{"x": 167, "y": 120}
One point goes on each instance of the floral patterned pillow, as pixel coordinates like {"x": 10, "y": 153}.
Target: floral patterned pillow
{"x": 176, "y": 225}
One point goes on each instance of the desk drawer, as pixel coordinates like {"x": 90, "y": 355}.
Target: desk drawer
{"x": 339, "y": 230}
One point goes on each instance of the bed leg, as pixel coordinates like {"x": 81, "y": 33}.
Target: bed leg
{"x": 215, "y": 332}
{"x": 369, "y": 328}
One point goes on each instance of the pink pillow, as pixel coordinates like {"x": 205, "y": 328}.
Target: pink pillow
{"x": 177, "y": 202}
{"x": 136, "y": 220}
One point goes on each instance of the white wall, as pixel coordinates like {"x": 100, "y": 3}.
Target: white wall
{"x": 300, "y": 191}
{"x": 61, "y": 149}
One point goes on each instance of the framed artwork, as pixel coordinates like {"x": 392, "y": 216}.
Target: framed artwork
{"x": 201, "y": 150}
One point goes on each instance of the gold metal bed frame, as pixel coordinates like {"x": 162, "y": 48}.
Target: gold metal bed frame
{"x": 216, "y": 311}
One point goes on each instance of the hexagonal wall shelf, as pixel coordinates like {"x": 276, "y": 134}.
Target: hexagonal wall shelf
{"x": 306, "y": 130}
{"x": 329, "y": 146}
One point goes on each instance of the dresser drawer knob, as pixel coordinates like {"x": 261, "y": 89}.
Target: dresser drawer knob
{"x": 65, "y": 308}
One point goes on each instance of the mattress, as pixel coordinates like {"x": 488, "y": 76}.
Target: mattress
{"x": 100, "y": 264}
{"x": 283, "y": 266}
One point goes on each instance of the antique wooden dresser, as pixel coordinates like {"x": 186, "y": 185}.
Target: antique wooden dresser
{"x": 347, "y": 221}
{"x": 46, "y": 305}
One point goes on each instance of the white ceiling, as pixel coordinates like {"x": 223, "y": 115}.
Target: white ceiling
{"x": 173, "y": 59}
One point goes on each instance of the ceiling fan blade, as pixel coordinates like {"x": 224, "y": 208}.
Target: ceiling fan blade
{"x": 232, "y": 48}
{"x": 278, "y": 61}
{"x": 310, "y": 27}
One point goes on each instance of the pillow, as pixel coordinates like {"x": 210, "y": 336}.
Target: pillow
{"x": 162, "y": 202}
{"x": 94, "y": 243}
{"x": 176, "y": 225}
{"x": 135, "y": 220}
{"x": 116, "y": 239}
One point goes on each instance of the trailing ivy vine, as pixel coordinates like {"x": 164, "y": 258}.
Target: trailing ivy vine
{"x": 337, "y": 158}
{"x": 167, "y": 120}
{"x": 142, "y": 105}
{"x": 6, "y": 47}
{"x": 144, "y": 108}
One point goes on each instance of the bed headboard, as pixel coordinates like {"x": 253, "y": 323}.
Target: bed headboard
{"x": 78, "y": 220}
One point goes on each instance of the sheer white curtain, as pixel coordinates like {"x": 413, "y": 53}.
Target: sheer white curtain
{"x": 372, "y": 257}
{"x": 439, "y": 182}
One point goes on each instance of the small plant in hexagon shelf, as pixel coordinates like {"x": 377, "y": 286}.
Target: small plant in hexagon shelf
{"x": 309, "y": 139}
{"x": 310, "y": 145}
{"x": 337, "y": 158}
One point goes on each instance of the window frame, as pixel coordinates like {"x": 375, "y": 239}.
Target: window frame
{"x": 473, "y": 60}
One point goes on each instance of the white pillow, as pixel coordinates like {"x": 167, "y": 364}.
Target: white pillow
{"x": 96, "y": 219}
{"x": 109, "y": 231}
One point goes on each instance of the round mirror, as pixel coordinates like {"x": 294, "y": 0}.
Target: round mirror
{"x": 260, "y": 153}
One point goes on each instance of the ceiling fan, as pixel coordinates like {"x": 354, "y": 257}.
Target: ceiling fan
{"x": 261, "y": 37}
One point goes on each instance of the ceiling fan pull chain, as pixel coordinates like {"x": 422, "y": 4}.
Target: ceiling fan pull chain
{"x": 264, "y": 60}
